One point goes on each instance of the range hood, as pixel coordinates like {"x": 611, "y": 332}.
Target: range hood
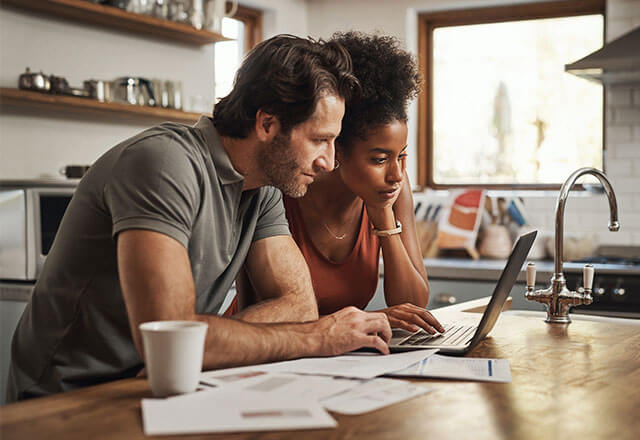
{"x": 617, "y": 62}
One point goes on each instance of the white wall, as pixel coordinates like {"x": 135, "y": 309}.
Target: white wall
{"x": 586, "y": 214}
{"x": 35, "y": 144}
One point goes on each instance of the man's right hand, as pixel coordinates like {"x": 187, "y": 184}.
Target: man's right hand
{"x": 351, "y": 328}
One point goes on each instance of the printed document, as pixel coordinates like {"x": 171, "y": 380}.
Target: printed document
{"x": 480, "y": 369}
{"x": 219, "y": 410}
{"x": 302, "y": 386}
{"x": 357, "y": 365}
{"x": 373, "y": 394}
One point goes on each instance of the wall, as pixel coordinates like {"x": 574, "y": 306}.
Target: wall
{"x": 35, "y": 144}
{"x": 585, "y": 214}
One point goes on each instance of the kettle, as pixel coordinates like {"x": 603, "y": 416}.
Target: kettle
{"x": 34, "y": 81}
{"x": 132, "y": 90}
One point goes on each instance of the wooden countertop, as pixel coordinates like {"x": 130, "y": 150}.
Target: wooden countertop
{"x": 574, "y": 381}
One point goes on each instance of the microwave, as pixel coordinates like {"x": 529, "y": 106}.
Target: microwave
{"x": 30, "y": 214}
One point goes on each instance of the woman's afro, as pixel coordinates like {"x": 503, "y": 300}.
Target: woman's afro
{"x": 389, "y": 79}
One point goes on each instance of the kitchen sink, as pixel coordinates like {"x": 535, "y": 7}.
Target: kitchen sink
{"x": 574, "y": 317}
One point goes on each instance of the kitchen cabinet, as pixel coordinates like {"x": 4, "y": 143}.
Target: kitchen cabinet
{"x": 10, "y": 313}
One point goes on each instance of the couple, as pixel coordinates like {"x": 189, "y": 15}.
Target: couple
{"x": 163, "y": 223}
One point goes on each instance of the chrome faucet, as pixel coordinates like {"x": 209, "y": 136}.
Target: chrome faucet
{"x": 557, "y": 298}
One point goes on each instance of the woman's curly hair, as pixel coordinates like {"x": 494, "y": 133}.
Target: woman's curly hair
{"x": 389, "y": 79}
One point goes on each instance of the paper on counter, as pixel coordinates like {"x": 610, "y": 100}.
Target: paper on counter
{"x": 481, "y": 369}
{"x": 301, "y": 386}
{"x": 220, "y": 410}
{"x": 373, "y": 394}
{"x": 359, "y": 366}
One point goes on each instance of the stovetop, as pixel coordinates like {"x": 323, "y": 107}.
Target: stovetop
{"x": 622, "y": 261}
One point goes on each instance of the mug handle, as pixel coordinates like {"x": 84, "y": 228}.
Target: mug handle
{"x": 234, "y": 9}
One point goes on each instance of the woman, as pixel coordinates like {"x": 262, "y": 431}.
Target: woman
{"x": 365, "y": 204}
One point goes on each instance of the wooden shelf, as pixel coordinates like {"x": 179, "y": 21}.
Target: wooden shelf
{"x": 72, "y": 105}
{"x": 91, "y": 13}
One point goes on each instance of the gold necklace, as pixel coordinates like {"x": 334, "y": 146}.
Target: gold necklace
{"x": 333, "y": 234}
{"x": 337, "y": 237}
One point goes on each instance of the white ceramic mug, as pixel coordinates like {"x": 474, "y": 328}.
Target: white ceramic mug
{"x": 173, "y": 353}
{"x": 215, "y": 11}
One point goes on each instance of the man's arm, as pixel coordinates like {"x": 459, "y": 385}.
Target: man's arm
{"x": 157, "y": 284}
{"x": 281, "y": 282}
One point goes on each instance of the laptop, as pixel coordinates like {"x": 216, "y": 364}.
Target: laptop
{"x": 458, "y": 339}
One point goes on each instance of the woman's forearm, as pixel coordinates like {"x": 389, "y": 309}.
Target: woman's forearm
{"x": 403, "y": 282}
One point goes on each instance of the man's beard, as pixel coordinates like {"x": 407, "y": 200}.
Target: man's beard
{"x": 279, "y": 164}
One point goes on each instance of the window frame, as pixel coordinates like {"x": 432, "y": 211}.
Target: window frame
{"x": 252, "y": 20}
{"x": 429, "y": 21}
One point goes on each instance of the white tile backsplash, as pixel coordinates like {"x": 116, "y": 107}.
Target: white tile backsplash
{"x": 623, "y": 185}
{"x": 619, "y": 134}
{"x": 617, "y": 27}
{"x": 623, "y": 167}
{"x": 627, "y": 115}
{"x": 618, "y": 98}
{"x": 628, "y": 9}
{"x": 625, "y": 150}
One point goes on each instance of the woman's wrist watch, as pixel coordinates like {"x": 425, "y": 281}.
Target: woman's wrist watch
{"x": 388, "y": 232}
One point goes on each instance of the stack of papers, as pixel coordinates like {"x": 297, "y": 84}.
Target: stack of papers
{"x": 229, "y": 411}
{"x": 294, "y": 395}
{"x": 482, "y": 369}
{"x": 357, "y": 365}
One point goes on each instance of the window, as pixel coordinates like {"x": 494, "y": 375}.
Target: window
{"x": 498, "y": 109}
{"x": 245, "y": 30}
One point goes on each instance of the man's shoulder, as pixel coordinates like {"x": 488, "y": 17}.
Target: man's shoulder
{"x": 166, "y": 134}
{"x": 268, "y": 198}
{"x": 168, "y": 145}
{"x": 269, "y": 193}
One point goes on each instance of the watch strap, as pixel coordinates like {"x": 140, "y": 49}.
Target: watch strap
{"x": 388, "y": 232}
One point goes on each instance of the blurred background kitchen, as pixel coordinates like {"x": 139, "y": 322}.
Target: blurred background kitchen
{"x": 499, "y": 127}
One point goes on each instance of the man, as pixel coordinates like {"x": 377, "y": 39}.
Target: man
{"x": 162, "y": 223}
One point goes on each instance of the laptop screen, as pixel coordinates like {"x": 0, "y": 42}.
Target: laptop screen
{"x": 504, "y": 285}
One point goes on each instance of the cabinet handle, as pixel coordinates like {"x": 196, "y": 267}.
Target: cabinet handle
{"x": 446, "y": 298}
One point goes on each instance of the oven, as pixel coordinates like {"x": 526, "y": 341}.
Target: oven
{"x": 30, "y": 214}
{"x": 616, "y": 285}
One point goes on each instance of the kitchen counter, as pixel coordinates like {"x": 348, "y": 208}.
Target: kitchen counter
{"x": 467, "y": 269}
{"x": 569, "y": 381}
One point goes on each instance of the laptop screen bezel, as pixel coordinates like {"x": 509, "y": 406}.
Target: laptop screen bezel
{"x": 503, "y": 288}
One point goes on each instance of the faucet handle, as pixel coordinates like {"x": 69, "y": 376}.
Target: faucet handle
{"x": 531, "y": 275}
{"x": 587, "y": 276}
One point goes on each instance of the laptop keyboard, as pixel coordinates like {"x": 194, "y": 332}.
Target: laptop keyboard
{"x": 453, "y": 335}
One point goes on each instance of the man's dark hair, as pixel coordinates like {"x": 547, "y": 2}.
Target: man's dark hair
{"x": 284, "y": 76}
{"x": 389, "y": 79}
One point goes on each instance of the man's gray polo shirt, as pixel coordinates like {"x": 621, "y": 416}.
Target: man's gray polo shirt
{"x": 173, "y": 179}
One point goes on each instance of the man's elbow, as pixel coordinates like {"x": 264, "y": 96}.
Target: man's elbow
{"x": 307, "y": 308}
